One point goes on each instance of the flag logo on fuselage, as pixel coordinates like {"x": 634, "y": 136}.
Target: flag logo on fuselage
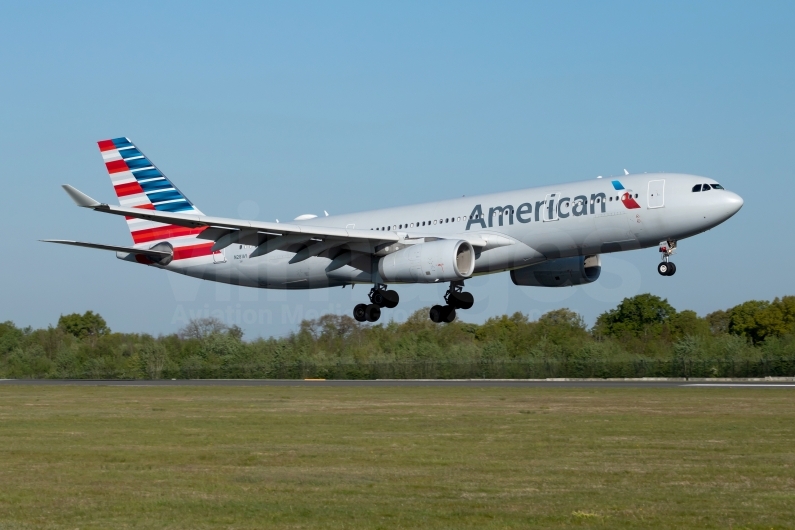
{"x": 626, "y": 198}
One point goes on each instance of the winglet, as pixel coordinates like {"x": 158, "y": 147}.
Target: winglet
{"x": 80, "y": 198}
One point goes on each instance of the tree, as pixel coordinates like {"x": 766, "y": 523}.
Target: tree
{"x": 154, "y": 358}
{"x": 640, "y": 315}
{"x": 686, "y": 323}
{"x": 562, "y": 317}
{"x": 719, "y": 322}
{"x": 89, "y": 324}
{"x": 760, "y": 319}
{"x": 201, "y": 328}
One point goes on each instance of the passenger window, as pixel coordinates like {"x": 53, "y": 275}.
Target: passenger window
{"x": 434, "y": 221}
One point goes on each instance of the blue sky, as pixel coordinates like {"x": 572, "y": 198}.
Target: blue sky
{"x": 272, "y": 110}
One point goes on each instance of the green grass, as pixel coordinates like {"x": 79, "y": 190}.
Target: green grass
{"x": 395, "y": 457}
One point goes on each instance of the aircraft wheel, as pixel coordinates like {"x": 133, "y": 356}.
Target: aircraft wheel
{"x": 390, "y": 298}
{"x": 462, "y": 300}
{"x": 378, "y": 298}
{"x": 663, "y": 268}
{"x": 449, "y": 315}
{"x": 437, "y": 313}
{"x": 671, "y": 268}
{"x": 360, "y": 312}
{"x": 372, "y": 313}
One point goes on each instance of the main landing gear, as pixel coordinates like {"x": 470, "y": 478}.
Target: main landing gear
{"x": 379, "y": 297}
{"x": 455, "y": 298}
{"x": 667, "y": 267}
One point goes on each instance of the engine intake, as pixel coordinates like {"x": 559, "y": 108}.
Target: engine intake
{"x": 433, "y": 261}
{"x": 561, "y": 272}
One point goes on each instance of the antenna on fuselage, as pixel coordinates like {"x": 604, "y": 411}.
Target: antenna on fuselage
{"x": 626, "y": 172}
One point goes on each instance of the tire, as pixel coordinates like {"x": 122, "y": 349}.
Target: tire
{"x": 671, "y": 268}
{"x": 449, "y": 315}
{"x": 391, "y": 298}
{"x": 437, "y": 313}
{"x": 378, "y": 298}
{"x": 663, "y": 268}
{"x": 461, "y": 300}
{"x": 360, "y": 312}
{"x": 372, "y": 313}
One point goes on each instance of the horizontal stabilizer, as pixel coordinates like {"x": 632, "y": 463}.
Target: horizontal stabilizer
{"x": 155, "y": 254}
{"x": 190, "y": 220}
{"x": 80, "y": 198}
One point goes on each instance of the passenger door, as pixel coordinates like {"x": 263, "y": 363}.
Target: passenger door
{"x": 656, "y": 194}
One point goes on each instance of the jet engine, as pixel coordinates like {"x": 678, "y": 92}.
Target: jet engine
{"x": 441, "y": 260}
{"x": 561, "y": 272}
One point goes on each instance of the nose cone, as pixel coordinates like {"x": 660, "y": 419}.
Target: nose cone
{"x": 731, "y": 203}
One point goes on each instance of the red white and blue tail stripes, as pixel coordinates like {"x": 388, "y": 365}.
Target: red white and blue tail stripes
{"x": 140, "y": 184}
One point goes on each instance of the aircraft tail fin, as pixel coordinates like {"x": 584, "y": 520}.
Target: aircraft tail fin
{"x": 138, "y": 183}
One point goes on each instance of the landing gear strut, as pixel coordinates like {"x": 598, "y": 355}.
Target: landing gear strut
{"x": 379, "y": 297}
{"x": 667, "y": 267}
{"x": 455, "y": 298}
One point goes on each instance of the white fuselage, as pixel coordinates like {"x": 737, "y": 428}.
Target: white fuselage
{"x": 521, "y": 228}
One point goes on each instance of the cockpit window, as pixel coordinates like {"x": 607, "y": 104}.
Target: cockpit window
{"x": 717, "y": 187}
{"x": 697, "y": 187}
{"x": 705, "y": 187}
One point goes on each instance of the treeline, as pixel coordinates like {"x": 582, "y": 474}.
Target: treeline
{"x": 643, "y": 336}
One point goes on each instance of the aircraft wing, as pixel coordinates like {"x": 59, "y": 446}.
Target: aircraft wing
{"x": 227, "y": 231}
{"x": 268, "y": 236}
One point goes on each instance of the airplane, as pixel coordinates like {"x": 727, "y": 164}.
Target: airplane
{"x": 549, "y": 236}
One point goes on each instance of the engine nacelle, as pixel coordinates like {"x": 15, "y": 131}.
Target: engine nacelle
{"x": 559, "y": 272}
{"x": 442, "y": 260}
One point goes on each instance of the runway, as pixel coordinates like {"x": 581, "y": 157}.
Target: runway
{"x": 475, "y": 383}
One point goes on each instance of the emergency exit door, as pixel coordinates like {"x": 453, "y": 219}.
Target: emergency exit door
{"x": 550, "y": 212}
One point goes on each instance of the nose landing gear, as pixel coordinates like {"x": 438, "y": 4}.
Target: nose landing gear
{"x": 667, "y": 267}
{"x": 455, "y": 298}
{"x": 379, "y": 297}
